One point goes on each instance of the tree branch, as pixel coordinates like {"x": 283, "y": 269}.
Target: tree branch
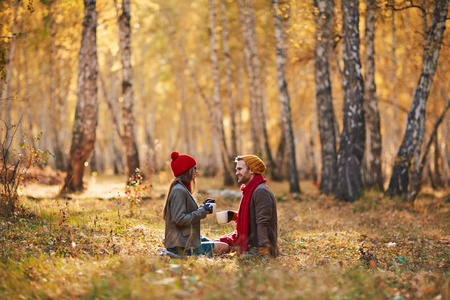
{"x": 392, "y": 103}
{"x": 405, "y": 7}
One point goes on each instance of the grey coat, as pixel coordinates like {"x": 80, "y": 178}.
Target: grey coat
{"x": 182, "y": 219}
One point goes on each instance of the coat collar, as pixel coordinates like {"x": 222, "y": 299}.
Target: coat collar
{"x": 189, "y": 193}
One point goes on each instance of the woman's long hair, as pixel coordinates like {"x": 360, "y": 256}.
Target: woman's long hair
{"x": 188, "y": 179}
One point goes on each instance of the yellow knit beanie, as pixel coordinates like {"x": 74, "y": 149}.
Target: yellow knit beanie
{"x": 254, "y": 163}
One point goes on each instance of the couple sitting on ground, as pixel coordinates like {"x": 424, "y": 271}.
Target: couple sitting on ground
{"x": 256, "y": 229}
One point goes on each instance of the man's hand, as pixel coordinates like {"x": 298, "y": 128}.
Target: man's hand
{"x": 263, "y": 252}
{"x": 232, "y": 216}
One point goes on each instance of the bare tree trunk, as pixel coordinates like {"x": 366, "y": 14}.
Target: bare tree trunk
{"x": 226, "y": 50}
{"x": 53, "y": 107}
{"x": 65, "y": 67}
{"x": 325, "y": 110}
{"x": 445, "y": 150}
{"x": 254, "y": 134}
{"x": 373, "y": 175}
{"x": 415, "y": 189}
{"x": 437, "y": 156}
{"x": 394, "y": 73}
{"x": 280, "y": 173}
{"x": 228, "y": 177}
{"x": 85, "y": 122}
{"x": 239, "y": 105}
{"x": 64, "y": 83}
{"x": 27, "y": 97}
{"x": 259, "y": 105}
{"x": 257, "y": 117}
{"x": 352, "y": 142}
{"x": 184, "y": 126}
{"x": 109, "y": 97}
{"x": 312, "y": 134}
{"x": 110, "y": 104}
{"x": 129, "y": 134}
{"x": 284, "y": 101}
{"x": 148, "y": 117}
{"x": 6, "y": 97}
{"x": 408, "y": 155}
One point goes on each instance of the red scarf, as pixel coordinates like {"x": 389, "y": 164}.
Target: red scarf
{"x": 243, "y": 219}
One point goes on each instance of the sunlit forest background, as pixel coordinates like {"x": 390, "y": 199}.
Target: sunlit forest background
{"x": 343, "y": 100}
{"x": 41, "y": 43}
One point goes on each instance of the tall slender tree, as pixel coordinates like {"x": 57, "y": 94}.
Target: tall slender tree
{"x": 85, "y": 122}
{"x": 53, "y": 97}
{"x": 245, "y": 24}
{"x": 129, "y": 132}
{"x": 217, "y": 99}
{"x": 407, "y": 161}
{"x": 253, "y": 65}
{"x": 373, "y": 175}
{"x": 226, "y": 50}
{"x": 396, "y": 130}
{"x": 283, "y": 98}
{"x": 352, "y": 142}
{"x": 325, "y": 110}
{"x": 26, "y": 78}
{"x": 415, "y": 189}
{"x": 7, "y": 95}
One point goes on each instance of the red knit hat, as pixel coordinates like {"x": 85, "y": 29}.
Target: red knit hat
{"x": 181, "y": 163}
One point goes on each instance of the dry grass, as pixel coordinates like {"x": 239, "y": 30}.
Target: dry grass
{"x": 93, "y": 247}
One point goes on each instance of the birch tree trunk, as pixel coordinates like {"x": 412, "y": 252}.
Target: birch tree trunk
{"x": 257, "y": 116}
{"x": 311, "y": 150}
{"x": 396, "y": 128}
{"x": 226, "y": 50}
{"x": 352, "y": 142}
{"x": 6, "y": 97}
{"x": 437, "y": 157}
{"x": 149, "y": 117}
{"x": 415, "y": 189}
{"x": 408, "y": 156}
{"x": 325, "y": 110}
{"x": 27, "y": 97}
{"x": 53, "y": 107}
{"x": 85, "y": 122}
{"x": 129, "y": 134}
{"x": 217, "y": 100}
{"x": 283, "y": 99}
{"x": 254, "y": 134}
{"x": 64, "y": 82}
{"x": 373, "y": 175}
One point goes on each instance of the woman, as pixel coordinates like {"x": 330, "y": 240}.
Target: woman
{"x": 182, "y": 213}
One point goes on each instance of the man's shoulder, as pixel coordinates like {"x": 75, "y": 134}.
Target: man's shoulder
{"x": 262, "y": 189}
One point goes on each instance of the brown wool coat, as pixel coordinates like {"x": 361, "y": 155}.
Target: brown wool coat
{"x": 263, "y": 231}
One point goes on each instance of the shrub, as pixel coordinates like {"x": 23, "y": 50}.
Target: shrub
{"x": 137, "y": 188}
{"x": 14, "y": 164}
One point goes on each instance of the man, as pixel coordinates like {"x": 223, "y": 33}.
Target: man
{"x": 257, "y": 222}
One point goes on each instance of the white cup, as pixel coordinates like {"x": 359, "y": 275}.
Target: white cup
{"x": 213, "y": 206}
{"x": 222, "y": 217}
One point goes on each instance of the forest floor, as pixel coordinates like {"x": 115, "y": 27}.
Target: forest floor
{"x": 96, "y": 245}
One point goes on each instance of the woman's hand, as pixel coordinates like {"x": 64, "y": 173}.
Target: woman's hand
{"x": 208, "y": 208}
